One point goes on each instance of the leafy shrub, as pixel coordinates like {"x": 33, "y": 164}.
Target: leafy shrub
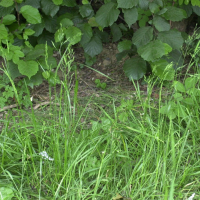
{"x": 30, "y": 30}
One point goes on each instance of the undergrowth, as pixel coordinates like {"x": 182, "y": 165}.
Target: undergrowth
{"x": 133, "y": 148}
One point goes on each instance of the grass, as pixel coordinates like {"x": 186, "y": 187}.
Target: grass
{"x": 130, "y": 148}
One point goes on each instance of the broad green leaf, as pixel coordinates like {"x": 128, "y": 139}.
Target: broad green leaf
{"x": 123, "y": 54}
{"x": 116, "y": 32}
{"x": 196, "y": 9}
{"x": 85, "y": 2}
{"x": 38, "y": 28}
{"x": 174, "y": 14}
{"x": 195, "y": 3}
{"x": 124, "y": 45}
{"x": 29, "y": 31}
{"x": 38, "y": 51}
{"x": 60, "y": 34}
{"x": 49, "y": 8}
{"x": 6, "y": 193}
{"x": 31, "y": 14}
{"x": 73, "y": 34}
{"x": 154, "y": 50}
{"x": 144, "y": 4}
{"x": 178, "y": 86}
{"x": 176, "y": 57}
{"x": 142, "y": 36}
{"x": 143, "y": 21}
{"x": 35, "y": 3}
{"x": 93, "y": 47}
{"x": 36, "y": 79}
{"x": 6, "y": 3}
{"x": 66, "y": 22}
{"x": 87, "y": 33}
{"x": 92, "y": 22}
{"x": 50, "y": 23}
{"x": 69, "y": 3}
{"x": 171, "y": 37}
{"x": 190, "y": 83}
{"x": 188, "y": 101}
{"x": 127, "y": 3}
{"x": 5, "y": 11}
{"x": 57, "y": 2}
{"x": 163, "y": 70}
{"x": 86, "y": 10}
{"x": 9, "y": 19}
{"x": 130, "y": 16}
{"x": 3, "y": 32}
{"x": 28, "y": 68}
{"x": 178, "y": 96}
{"x": 46, "y": 37}
{"x": 135, "y": 68}
{"x": 161, "y": 24}
{"x": 169, "y": 110}
{"x": 13, "y": 70}
{"x": 154, "y": 7}
{"x": 51, "y": 62}
{"x": 107, "y": 14}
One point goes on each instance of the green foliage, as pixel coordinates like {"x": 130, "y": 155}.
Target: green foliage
{"x": 30, "y": 28}
{"x": 100, "y": 85}
{"x": 184, "y": 98}
{"x": 6, "y": 190}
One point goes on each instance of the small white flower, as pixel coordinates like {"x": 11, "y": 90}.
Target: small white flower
{"x": 191, "y": 197}
{"x": 45, "y": 155}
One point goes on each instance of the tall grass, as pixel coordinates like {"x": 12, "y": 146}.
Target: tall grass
{"x": 131, "y": 151}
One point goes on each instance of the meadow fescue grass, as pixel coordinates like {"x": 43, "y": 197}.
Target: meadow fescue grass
{"x": 130, "y": 150}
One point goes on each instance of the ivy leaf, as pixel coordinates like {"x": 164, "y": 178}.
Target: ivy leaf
{"x": 135, "y": 68}
{"x": 4, "y": 32}
{"x": 171, "y": 37}
{"x": 6, "y": 3}
{"x": 124, "y": 45}
{"x": 163, "y": 69}
{"x": 142, "y": 36}
{"x": 9, "y": 19}
{"x": 73, "y": 34}
{"x": 107, "y": 14}
{"x": 130, "y": 16}
{"x": 127, "y": 3}
{"x": 175, "y": 14}
{"x": 28, "y": 68}
{"x": 49, "y": 8}
{"x": 93, "y": 47}
{"x": 161, "y": 24}
{"x": 154, "y": 50}
{"x": 57, "y": 2}
{"x": 116, "y": 32}
{"x": 86, "y": 10}
{"x": 31, "y": 14}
